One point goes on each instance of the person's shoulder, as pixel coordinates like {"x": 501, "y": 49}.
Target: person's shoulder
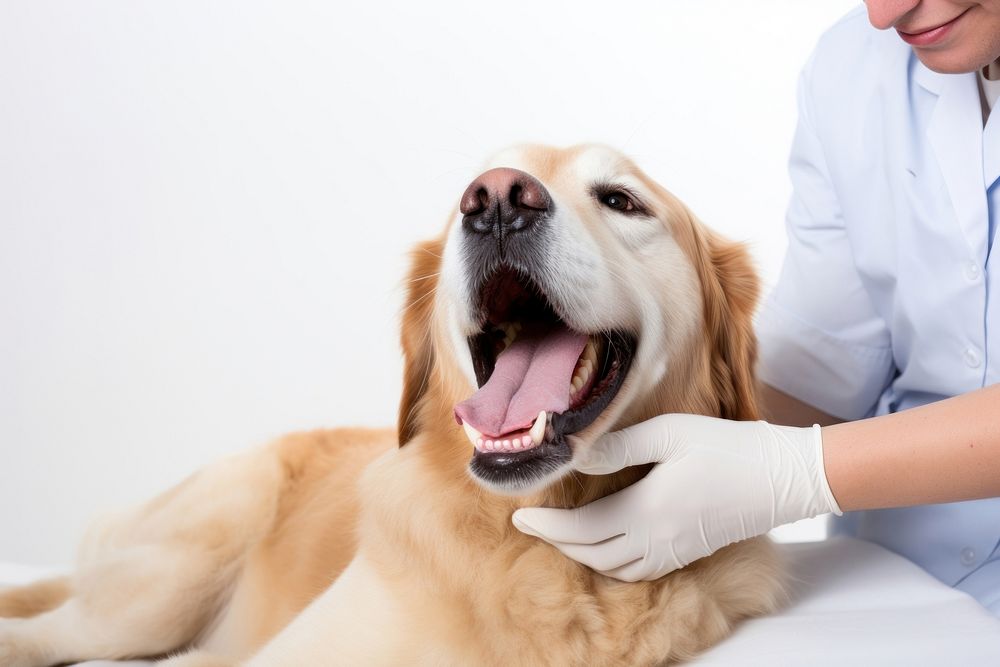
{"x": 852, "y": 56}
{"x": 853, "y": 36}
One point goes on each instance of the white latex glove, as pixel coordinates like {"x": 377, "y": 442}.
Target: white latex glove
{"x": 716, "y": 482}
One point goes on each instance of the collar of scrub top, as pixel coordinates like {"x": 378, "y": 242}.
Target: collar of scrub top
{"x": 955, "y": 132}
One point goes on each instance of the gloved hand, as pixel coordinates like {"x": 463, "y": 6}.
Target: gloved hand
{"x": 716, "y": 482}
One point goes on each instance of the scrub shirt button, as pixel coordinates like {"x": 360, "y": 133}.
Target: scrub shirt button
{"x": 968, "y": 556}
{"x": 972, "y": 271}
{"x": 972, "y": 359}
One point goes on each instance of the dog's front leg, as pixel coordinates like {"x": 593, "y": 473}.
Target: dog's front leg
{"x": 356, "y": 621}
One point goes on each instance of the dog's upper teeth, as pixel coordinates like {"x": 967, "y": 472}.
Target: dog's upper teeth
{"x": 510, "y": 331}
{"x": 537, "y": 432}
{"x": 584, "y": 367}
{"x": 475, "y": 437}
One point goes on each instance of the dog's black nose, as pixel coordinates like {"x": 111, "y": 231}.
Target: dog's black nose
{"x": 503, "y": 201}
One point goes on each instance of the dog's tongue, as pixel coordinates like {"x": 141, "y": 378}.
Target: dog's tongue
{"x": 531, "y": 375}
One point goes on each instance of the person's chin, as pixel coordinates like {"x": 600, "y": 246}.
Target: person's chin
{"x": 951, "y": 61}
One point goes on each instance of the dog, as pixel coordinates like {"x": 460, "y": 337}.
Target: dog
{"x": 569, "y": 295}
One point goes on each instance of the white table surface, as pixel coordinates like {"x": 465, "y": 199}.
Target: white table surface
{"x": 853, "y": 603}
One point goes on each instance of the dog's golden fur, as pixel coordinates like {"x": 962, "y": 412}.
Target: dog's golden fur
{"x": 225, "y": 562}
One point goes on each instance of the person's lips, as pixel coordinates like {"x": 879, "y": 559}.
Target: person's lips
{"x": 929, "y": 36}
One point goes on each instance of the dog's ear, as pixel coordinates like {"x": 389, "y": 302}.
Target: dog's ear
{"x": 731, "y": 288}
{"x": 418, "y": 350}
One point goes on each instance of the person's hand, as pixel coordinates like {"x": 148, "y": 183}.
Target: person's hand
{"x": 716, "y": 482}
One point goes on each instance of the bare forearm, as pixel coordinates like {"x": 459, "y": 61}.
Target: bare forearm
{"x": 943, "y": 452}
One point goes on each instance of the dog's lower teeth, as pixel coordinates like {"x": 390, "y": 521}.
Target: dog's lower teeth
{"x": 537, "y": 432}
{"x": 475, "y": 437}
{"x": 509, "y": 445}
{"x": 540, "y": 429}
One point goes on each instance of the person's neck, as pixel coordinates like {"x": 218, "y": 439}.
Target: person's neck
{"x": 992, "y": 71}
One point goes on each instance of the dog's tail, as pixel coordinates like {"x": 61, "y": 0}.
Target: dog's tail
{"x": 34, "y": 599}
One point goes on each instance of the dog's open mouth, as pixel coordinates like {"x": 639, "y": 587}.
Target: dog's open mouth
{"x": 539, "y": 381}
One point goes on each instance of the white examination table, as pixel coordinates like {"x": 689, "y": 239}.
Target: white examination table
{"x": 853, "y": 604}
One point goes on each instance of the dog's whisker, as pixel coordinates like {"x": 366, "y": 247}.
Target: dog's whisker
{"x": 430, "y": 293}
{"x": 417, "y": 279}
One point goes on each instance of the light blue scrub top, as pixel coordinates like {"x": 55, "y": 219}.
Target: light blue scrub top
{"x": 888, "y": 296}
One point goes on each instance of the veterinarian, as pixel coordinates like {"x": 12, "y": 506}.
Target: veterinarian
{"x": 888, "y": 303}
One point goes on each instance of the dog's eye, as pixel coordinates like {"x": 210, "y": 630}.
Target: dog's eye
{"x": 619, "y": 201}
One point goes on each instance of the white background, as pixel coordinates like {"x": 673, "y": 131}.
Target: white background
{"x": 205, "y": 206}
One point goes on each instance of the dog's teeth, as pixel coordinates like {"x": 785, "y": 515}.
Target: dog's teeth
{"x": 510, "y": 331}
{"x": 584, "y": 374}
{"x": 488, "y": 446}
{"x": 526, "y": 441}
{"x": 506, "y": 445}
{"x": 537, "y": 432}
{"x": 475, "y": 437}
{"x": 577, "y": 383}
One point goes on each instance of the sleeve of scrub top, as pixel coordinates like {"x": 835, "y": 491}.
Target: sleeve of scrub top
{"x": 821, "y": 339}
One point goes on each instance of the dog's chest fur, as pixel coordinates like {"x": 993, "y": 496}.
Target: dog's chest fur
{"x": 493, "y": 595}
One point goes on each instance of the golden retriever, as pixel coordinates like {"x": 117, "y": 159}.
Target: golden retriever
{"x": 569, "y": 295}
